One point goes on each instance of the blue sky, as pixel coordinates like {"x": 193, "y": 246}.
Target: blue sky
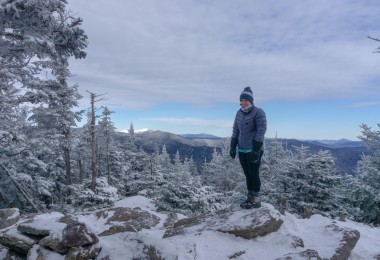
{"x": 180, "y": 65}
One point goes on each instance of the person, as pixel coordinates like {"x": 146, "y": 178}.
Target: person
{"x": 248, "y": 133}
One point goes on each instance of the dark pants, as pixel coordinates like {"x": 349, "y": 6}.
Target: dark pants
{"x": 251, "y": 172}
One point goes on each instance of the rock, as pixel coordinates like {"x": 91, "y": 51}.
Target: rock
{"x": 127, "y": 220}
{"x": 29, "y": 228}
{"x": 53, "y": 241}
{"x": 68, "y": 219}
{"x": 247, "y": 224}
{"x": 348, "y": 241}
{"x": 308, "y": 254}
{"x": 9, "y": 217}
{"x": 17, "y": 241}
{"x": 77, "y": 234}
{"x": 255, "y": 223}
{"x": 83, "y": 253}
{"x": 42, "y": 225}
{"x": 296, "y": 241}
{"x": 38, "y": 252}
{"x": 170, "y": 220}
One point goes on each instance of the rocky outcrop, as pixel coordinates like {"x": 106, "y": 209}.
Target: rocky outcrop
{"x": 245, "y": 224}
{"x": 347, "y": 242}
{"x": 43, "y": 236}
{"x": 126, "y": 220}
{"x": 58, "y": 236}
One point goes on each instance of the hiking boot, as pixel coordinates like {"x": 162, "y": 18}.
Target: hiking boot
{"x": 251, "y": 202}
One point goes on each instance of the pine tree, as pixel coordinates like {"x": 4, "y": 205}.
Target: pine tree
{"x": 106, "y": 142}
{"x": 37, "y": 39}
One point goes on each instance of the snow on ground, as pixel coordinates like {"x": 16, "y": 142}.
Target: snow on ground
{"x": 215, "y": 245}
{"x": 211, "y": 245}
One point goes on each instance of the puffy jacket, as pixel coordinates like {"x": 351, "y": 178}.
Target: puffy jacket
{"x": 248, "y": 127}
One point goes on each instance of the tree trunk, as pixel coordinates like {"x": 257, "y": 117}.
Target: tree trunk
{"x": 93, "y": 144}
{"x": 66, "y": 153}
{"x": 20, "y": 189}
{"x": 81, "y": 171}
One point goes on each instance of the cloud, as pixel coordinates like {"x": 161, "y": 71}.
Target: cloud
{"x": 147, "y": 52}
{"x": 192, "y": 122}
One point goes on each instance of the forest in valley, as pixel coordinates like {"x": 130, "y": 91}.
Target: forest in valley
{"x": 49, "y": 163}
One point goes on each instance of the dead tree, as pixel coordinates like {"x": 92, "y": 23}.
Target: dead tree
{"x": 93, "y": 98}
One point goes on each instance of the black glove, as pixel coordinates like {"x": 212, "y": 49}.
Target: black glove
{"x": 233, "y": 153}
{"x": 255, "y": 157}
{"x": 256, "y": 149}
{"x": 234, "y": 143}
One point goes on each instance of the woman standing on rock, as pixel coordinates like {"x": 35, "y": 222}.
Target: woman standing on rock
{"x": 248, "y": 133}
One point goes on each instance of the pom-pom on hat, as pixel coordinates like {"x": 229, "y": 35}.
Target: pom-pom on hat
{"x": 247, "y": 94}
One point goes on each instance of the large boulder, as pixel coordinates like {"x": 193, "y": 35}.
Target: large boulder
{"x": 77, "y": 234}
{"x": 53, "y": 242}
{"x": 247, "y": 224}
{"x": 17, "y": 242}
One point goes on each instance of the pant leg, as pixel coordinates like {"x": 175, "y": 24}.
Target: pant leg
{"x": 251, "y": 172}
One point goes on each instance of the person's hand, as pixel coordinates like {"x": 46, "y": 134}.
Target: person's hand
{"x": 255, "y": 156}
{"x": 233, "y": 153}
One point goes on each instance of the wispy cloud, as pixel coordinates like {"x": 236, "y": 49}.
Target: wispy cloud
{"x": 192, "y": 122}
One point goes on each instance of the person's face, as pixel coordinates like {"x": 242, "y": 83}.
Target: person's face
{"x": 245, "y": 103}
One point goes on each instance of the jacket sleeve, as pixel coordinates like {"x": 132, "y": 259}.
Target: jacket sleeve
{"x": 261, "y": 125}
{"x": 235, "y": 129}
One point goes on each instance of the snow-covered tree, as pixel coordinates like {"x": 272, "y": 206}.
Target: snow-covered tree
{"x": 37, "y": 38}
{"x": 106, "y": 142}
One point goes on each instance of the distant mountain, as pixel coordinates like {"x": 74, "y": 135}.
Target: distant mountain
{"x": 201, "y": 136}
{"x": 198, "y": 149}
{"x": 346, "y": 155}
{"x": 201, "y": 146}
{"x": 337, "y": 143}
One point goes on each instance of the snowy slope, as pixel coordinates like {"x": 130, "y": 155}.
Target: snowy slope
{"x": 205, "y": 242}
{"x": 216, "y": 245}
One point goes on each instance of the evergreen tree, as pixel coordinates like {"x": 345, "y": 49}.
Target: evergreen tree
{"x": 106, "y": 142}
{"x": 37, "y": 39}
{"x": 366, "y": 195}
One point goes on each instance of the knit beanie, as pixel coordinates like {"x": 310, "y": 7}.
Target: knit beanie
{"x": 247, "y": 94}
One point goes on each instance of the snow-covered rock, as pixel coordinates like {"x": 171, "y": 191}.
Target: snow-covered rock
{"x": 133, "y": 229}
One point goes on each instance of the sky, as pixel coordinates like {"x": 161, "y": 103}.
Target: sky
{"x": 201, "y": 242}
{"x": 180, "y": 65}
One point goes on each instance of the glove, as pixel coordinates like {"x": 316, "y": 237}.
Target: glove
{"x": 234, "y": 143}
{"x": 233, "y": 153}
{"x": 255, "y": 154}
{"x": 255, "y": 157}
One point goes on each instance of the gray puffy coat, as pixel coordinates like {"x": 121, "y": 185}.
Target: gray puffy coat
{"x": 248, "y": 127}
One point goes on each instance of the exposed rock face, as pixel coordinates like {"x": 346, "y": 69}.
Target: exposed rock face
{"x": 249, "y": 224}
{"x": 77, "y": 234}
{"x": 8, "y": 217}
{"x": 347, "y": 242}
{"x": 53, "y": 241}
{"x": 127, "y": 220}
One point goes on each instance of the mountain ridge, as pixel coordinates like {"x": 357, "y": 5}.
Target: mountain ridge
{"x": 199, "y": 147}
